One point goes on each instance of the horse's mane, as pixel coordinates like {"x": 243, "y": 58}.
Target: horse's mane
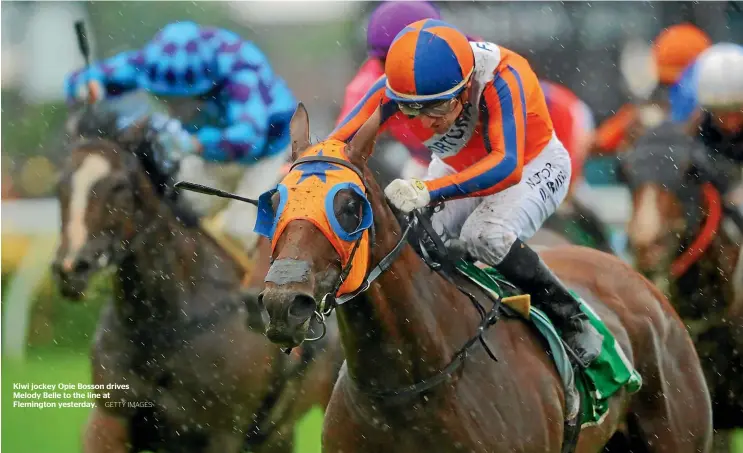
{"x": 100, "y": 122}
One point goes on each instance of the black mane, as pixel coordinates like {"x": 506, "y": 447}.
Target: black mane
{"x": 101, "y": 121}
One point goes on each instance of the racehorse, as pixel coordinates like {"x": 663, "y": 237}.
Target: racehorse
{"x": 182, "y": 356}
{"x": 406, "y": 386}
{"x": 677, "y": 236}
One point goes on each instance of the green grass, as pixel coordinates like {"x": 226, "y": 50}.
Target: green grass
{"x": 57, "y": 430}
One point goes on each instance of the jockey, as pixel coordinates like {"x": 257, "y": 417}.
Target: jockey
{"x": 674, "y": 49}
{"x": 385, "y": 23}
{"x": 718, "y": 80}
{"x": 231, "y": 108}
{"x": 479, "y": 109}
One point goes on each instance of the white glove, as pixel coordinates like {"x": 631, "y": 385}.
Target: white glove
{"x": 161, "y": 123}
{"x": 407, "y": 195}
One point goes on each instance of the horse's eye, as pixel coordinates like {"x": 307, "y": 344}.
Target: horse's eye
{"x": 352, "y": 207}
{"x": 348, "y": 212}
{"x": 275, "y": 199}
{"x": 119, "y": 187}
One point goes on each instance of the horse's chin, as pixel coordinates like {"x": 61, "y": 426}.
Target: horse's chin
{"x": 287, "y": 338}
{"x": 72, "y": 288}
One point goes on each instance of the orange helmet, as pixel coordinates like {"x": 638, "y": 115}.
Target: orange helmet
{"x": 429, "y": 60}
{"x": 675, "y": 48}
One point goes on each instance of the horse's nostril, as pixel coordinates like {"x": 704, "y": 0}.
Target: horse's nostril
{"x": 302, "y": 307}
{"x": 82, "y": 266}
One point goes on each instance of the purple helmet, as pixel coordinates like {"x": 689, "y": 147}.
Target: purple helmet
{"x": 390, "y": 18}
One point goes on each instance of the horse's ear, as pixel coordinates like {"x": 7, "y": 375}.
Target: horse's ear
{"x": 299, "y": 131}
{"x": 362, "y": 144}
{"x": 134, "y": 134}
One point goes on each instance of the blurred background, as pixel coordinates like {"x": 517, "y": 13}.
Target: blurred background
{"x": 316, "y": 47}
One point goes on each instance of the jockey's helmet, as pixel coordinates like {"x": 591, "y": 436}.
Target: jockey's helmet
{"x": 675, "y": 48}
{"x": 719, "y": 77}
{"x": 181, "y": 60}
{"x": 390, "y": 18}
{"x": 429, "y": 61}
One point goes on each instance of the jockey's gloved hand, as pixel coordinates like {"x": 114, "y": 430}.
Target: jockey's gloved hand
{"x": 88, "y": 91}
{"x": 177, "y": 144}
{"x": 175, "y": 141}
{"x": 160, "y": 122}
{"x": 407, "y": 195}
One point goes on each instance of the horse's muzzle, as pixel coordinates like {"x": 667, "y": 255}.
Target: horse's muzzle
{"x": 72, "y": 280}
{"x": 289, "y": 313}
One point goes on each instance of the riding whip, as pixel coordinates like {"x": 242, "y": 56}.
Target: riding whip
{"x": 83, "y": 44}
{"x": 193, "y": 187}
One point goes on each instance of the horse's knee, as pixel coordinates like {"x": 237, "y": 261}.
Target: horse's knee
{"x": 105, "y": 432}
{"x": 488, "y": 242}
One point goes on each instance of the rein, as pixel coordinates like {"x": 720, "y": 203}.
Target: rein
{"x": 329, "y": 302}
{"x": 707, "y": 233}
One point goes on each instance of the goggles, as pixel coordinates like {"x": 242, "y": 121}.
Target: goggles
{"x": 436, "y": 109}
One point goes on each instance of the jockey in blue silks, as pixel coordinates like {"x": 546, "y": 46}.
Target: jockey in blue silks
{"x": 229, "y": 112}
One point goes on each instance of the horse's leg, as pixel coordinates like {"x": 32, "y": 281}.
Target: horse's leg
{"x": 105, "y": 432}
{"x": 722, "y": 442}
{"x": 673, "y": 411}
{"x": 281, "y": 441}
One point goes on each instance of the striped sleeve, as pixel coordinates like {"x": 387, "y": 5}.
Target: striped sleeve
{"x": 363, "y": 110}
{"x": 503, "y": 112}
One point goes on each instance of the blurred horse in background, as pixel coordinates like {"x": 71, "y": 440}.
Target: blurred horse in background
{"x": 679, "y": 239}
{"x": 187, "y": 352}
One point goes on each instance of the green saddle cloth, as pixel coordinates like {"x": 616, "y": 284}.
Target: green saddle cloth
{"x": 596, "y": 384}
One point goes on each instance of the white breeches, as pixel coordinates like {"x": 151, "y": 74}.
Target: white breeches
{"x": 490, "y": 225}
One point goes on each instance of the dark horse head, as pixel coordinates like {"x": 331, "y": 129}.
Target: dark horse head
{"x": 675, "y": 229}
{"x": 107, "y": 181}
{"x": 657, "y": 171}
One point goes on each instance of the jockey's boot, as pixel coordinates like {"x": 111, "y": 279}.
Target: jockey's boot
{"x": 523, "y": 267}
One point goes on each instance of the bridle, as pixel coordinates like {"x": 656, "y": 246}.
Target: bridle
{"x": 330, "y": 301}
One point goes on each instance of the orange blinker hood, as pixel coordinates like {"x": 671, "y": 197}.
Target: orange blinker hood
{"x": 307, "y": 193}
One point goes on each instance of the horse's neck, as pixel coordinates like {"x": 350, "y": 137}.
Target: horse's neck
{"x": 405, "y": 328}
{"x": 166, "y": 265}
{"x": 711, "y": 283}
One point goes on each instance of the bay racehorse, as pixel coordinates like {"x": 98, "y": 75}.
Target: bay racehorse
{"x": 679, "y": 238}
{"x": 190, "y": 366}
{"x": 404, "y": 386}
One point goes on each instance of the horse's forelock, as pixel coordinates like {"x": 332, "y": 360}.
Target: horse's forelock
{"x": 662, "y": 156}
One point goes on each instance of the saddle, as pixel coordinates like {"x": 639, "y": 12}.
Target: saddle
{"x": 587, "y": 390}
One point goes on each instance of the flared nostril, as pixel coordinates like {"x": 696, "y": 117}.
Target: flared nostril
{"x": 302, "y": 307}
{"x": 82, "y": 266}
